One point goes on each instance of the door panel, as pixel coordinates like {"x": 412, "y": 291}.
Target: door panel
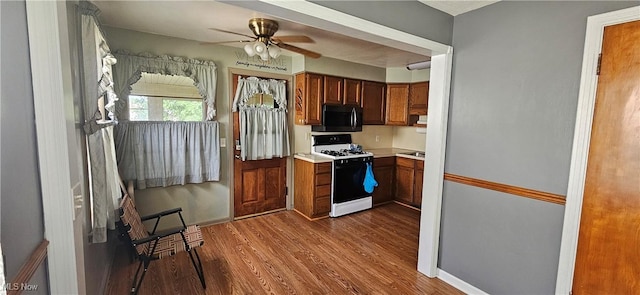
{"x": 607, "y": 260}
{"x": 259, "y": 185}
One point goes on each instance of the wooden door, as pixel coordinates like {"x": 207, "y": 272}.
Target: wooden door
{"x": 418, "y": 98}
{"x": 308, "y": 98}
{"x": 314, "y": 96}
{"x": 608, "y": 256}
{"x": 417, "y": 188}
{"x": 259, "y": 185}
{"x": 352, "y": 90}
{"x": 404, "y": 180}
{"x": 333, "y": 90}
{"x": 373, "y": 100}
{"x": 397, "y": 104}
{"x": 383, "y": 171}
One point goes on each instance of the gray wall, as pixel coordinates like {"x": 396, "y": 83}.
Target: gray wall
{"x": 412, "y": 17}
{"x": 22, "y": 215}
{"x": 516, "y": 75}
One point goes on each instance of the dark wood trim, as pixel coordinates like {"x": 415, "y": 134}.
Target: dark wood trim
{"x": 509, "y": 189}
{"x": 29, "y": 267}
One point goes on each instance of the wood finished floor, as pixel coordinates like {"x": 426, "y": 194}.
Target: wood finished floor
{"x": 371, "y": 252}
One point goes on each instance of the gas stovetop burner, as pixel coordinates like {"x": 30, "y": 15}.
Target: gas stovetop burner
{"x": 334, "y": 153}
{"x": 337, "y": 146}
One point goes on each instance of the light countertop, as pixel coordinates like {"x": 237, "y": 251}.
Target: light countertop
{"x": 312, "y": 158}
{"x": 377, "y": 153}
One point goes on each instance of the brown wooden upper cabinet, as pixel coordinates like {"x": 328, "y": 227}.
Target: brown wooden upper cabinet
{"x": 352, "y": 91}
{"x": 372, "y": 102}
{"x": 309, "y": 95}
{"x": 418, "y": 98}
{"x": 405, "y": 102}
{"x": 397, "y": 110}
{"x": 333, "y": 89}
{"x": 338, "y": 90}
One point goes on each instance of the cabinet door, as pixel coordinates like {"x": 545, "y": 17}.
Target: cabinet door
{"x": 299, "y": 99}
{"x": 352, "y": 90}
{"x": 384, "y": 175}
{"x": 372, "y": 101}
{"x": 397, "y": 104}
{"x": 417, "y": 190}
{"x": 333, "y": 87}
{"x": 418, "y": 98}
{"x": 404, "y": 184}
{"x": 314, "y": 96}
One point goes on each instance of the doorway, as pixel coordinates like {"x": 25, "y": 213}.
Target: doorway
{"x": 582, "y": 138}
{"x": 259, "y": 186}
{"x": 610, "y": 216}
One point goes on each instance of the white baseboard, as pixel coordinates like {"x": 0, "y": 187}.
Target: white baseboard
{"x": 459, "y": 284}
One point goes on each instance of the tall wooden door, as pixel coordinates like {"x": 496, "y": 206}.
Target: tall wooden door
{"x": 608, "y": 256}
{"x": 259, "y": 185}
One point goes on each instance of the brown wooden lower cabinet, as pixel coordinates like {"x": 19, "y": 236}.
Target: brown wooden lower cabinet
{"x": 312, "y": 196}
{"x": 417, "y": 188}
{"x": 383, "y": 171}
{"x": 409, "y": 181}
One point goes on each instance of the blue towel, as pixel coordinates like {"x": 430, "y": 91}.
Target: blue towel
{"x": 369, "y": 181}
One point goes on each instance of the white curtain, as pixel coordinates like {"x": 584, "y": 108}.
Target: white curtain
{"x": 107, "y": 179}
{"x": 264, "y": 133}
{"x": 155, "y": 154}
{"x": 130, "y": 67}
{"x": 98, "y": 102}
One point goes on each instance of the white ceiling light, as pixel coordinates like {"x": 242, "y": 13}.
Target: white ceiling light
{"x": 419, "y": 65}
{"x": 262, "y": 49}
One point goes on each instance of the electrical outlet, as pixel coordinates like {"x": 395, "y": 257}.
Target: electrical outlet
{"x": 223, "y": 142}
{"x": 377, "y": 138}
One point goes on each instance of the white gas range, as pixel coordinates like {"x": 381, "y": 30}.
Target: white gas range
{"x": 348, "y": 173}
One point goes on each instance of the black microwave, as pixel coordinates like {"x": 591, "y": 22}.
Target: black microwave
{"x": 340, "y": 118}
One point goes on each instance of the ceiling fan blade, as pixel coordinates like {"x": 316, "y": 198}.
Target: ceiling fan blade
{"x": 229, "y": 32}
{"x": 293, "y": 39}
{"x": 305, "y": 52}
{"x": 223, "y": 42}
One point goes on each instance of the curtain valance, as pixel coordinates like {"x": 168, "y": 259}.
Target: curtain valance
{"x": 130, "y": 67}
{"x": 247, "y": 87}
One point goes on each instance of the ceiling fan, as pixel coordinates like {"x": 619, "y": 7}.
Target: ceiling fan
{"x": 265, "y": 44}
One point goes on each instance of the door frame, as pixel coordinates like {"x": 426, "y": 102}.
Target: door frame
{"x": 581, "y": 140}
{"x": 46, "y": 22}
{"x": 321, "y": 17}
{"x": 231, "y": 146}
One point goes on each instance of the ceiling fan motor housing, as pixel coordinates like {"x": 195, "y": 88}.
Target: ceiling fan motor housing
{"x": 263, "y": 27}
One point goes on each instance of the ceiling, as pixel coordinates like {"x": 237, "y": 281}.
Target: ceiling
{"x": 454, "y": 7}
{"x": 196, "y": 17}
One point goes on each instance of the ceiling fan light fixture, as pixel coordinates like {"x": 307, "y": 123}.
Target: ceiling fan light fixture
{"x": 274, "y": 51}
{"x": 259, "y": 47}
{"x": 264, "y": 56}
{"x": 249, "y": 50}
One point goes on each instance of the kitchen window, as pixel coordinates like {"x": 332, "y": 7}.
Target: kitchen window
{"x": 160, "y": 108}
